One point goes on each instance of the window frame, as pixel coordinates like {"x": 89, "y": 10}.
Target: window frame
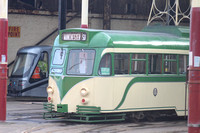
{"x": 146, "y": 59}
{"x": 66, "y": 68}
{"x": 111, "y": 64}
{"x": 63, "y": 61}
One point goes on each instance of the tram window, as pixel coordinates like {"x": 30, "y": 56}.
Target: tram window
{"x": 155, "y": 63}
{"x": 121, "y": 63}
{"x": 80, "y": 62}
{"x": 59, "y": 56}
{"x": 105, "y": 65}
{"x": 138, "y": 65}
{"x": 170, "y": 64}
{"x": 182, "y": 64}
{"x": 41, "y": 69}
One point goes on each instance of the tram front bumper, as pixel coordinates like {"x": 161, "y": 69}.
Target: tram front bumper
{"x": 61, "y": 108}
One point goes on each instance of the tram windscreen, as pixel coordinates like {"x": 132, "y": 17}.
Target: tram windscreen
{"x": 80, "y": 62}
{"x": 23, "y": 64}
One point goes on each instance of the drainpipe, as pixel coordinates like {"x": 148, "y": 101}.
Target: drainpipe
{"x": 107, "y": 15}
{"x": 62, "y": 14}
{"x": 84, "y": 14}
{"x": 3, "y": 57}
{"x": 194, "y": 69}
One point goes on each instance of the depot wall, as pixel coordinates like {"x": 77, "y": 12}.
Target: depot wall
{"x": 34, "y": 28}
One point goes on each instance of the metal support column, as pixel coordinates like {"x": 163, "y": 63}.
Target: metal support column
{"x": 3, "y": 57}
{"x": 194, "y": 69}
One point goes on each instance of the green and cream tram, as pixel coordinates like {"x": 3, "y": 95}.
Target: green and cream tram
{"x": 102, "y": 75}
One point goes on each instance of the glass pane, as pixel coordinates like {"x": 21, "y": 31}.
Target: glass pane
{"x": 23, "y": 64}
{"x": 41, "y": 69}
{"x": 105, "y": 65}
{"x": 43, "y": 65}
{"x": 155, "y": 64}
{"x": 59, "y": 56}
{"x": 182, "y": 64}
{"x": 80, "y": 62}
{"x": 121, "y": 63}
{"x": 170, "y": 67}
{"x": 137, "y": 66}
{"x": 170, "y": 57}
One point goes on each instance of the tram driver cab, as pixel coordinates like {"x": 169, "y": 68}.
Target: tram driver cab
{"x": 29, "y": 76}
{"x": 40, "y": 71}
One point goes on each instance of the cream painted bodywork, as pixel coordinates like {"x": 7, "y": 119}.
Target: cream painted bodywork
{"x": 56, "y": 93}
{"x": 170, "y": 95}
{"x": 107, "y": 92}
{"x": 73, "y": 96}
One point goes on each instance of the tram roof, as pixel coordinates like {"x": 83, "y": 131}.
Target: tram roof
{"x": 122, "y": 39}
{"x": 34, "y": 49}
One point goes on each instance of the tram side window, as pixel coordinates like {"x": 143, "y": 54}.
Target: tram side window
{"x": 138, "y": 65}
{"x": 121, "y": 63}
{"x": 182, "y": 64}
{"x": 59, "y": 56}
{"x": 41, "y": 70}
{"x": 170, "y": 64}
{"x": 155, "y": 63}
{"x": 105, "y": 65}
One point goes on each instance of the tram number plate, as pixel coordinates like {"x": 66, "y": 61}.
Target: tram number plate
{"x": 74, "y": 36}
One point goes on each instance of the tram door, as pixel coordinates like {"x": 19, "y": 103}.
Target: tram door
{"x": 29, "y": 76}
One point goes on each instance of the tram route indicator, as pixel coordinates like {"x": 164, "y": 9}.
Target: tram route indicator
{"x": 74, "y": 36}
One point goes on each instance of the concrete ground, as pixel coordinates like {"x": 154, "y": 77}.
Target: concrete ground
{"x": 26, "y": 117}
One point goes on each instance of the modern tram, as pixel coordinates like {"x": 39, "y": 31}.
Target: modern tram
{"x": 30, "y": 73}
{"x": 108, "y": 75}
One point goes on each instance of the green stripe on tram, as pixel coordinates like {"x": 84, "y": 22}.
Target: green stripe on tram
{"x": 148, "y": 79}
{"x": 66, "y": 83}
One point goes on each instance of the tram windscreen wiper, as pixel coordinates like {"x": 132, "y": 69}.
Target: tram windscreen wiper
{"x": 75, "y": 65}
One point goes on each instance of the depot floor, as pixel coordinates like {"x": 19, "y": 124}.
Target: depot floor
{"x": 26, "y": 117}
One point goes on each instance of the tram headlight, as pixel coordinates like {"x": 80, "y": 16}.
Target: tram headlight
{"x": 50, "y": 94}
{"x": 49, "y": 90}
{"x": 21, "y": 82}
{"x": 84, "y": 92}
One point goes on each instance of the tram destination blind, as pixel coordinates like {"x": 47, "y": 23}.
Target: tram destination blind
{"x": 74, "y": 36}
